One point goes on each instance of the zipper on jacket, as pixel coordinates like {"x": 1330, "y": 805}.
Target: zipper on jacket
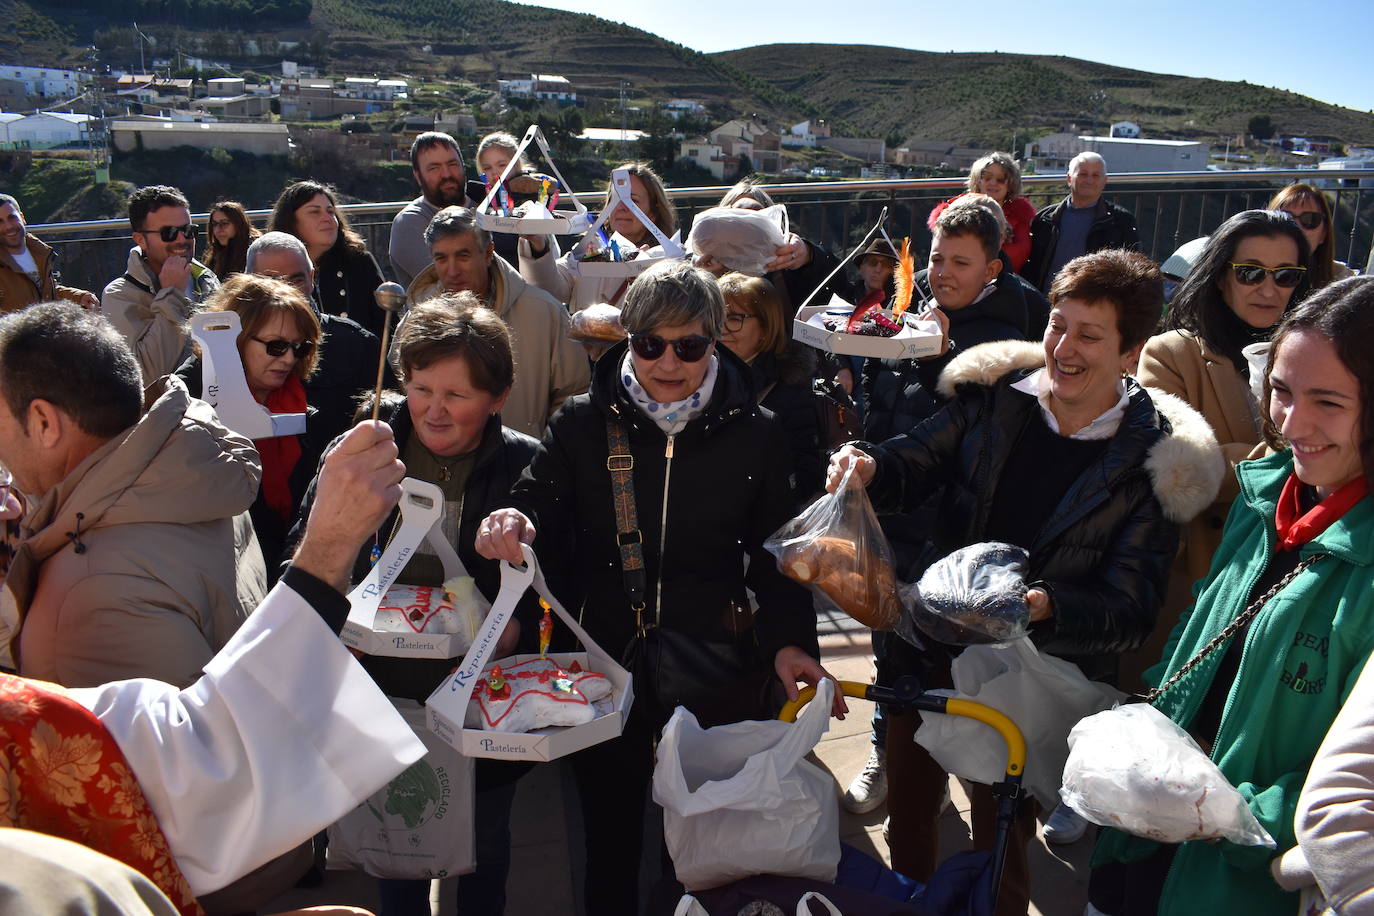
{"x": 663, "y": 530}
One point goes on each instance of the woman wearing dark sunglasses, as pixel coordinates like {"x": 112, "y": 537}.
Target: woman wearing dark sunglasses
{"x": 1252, "y": 271}
{"x": 1312, "y": 210}
{"x": 710, "y": 475}
{"x": 279, "y": 344}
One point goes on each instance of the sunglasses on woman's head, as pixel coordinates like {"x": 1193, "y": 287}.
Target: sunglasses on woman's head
{"x": 279, "y": 347}
{"x": 170, "y": 233}
{"x": 1253, "y": 274}
{"x": 1309, "y": 220}
{"x": 689, "y": 349}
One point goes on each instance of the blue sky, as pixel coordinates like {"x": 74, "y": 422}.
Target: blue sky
{"x": 1223, "y": 39}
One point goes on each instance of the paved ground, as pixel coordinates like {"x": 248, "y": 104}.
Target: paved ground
{"x": 544, "y": 851}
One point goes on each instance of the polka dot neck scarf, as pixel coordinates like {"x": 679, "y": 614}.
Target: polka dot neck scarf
{"x": 674, "y": 416}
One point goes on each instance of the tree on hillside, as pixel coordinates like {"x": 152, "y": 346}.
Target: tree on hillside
{"x": 1261, "y": 127}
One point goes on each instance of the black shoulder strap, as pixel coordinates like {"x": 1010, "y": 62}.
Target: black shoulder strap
{"x": 628, "y": 537}
{"x": 140, "y": 284}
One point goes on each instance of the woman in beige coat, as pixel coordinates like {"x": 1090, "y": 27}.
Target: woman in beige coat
{"x": 1252, "y": 270}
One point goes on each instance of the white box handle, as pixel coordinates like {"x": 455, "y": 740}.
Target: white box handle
{"x": 224, "y": 385}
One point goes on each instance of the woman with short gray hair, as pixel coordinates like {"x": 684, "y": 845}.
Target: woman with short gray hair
{"x": 707, "y": 474}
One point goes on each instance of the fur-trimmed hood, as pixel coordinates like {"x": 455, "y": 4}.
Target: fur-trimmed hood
{"x": 1186, "y": 465}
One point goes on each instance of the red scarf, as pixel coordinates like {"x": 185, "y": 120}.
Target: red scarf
{"x": 1296, "y": 528}
{"x": 280, "y": 454}
{"x": 61, "y": 773}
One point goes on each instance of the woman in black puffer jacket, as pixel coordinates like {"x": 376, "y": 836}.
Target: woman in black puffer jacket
{"x": 710, "y": 475}
{"x": 1092, "y": 474}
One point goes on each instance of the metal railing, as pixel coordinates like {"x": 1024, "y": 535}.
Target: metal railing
{"x": 1170, "y": 208}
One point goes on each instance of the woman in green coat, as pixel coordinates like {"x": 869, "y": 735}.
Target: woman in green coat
{"x": 1263, "y": 700}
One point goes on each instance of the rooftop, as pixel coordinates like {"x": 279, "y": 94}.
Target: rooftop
{"x": 1137, "y": 141}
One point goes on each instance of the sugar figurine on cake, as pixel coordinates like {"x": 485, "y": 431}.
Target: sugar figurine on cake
{"x": 425, "y": 609}
{"x": 872, "y": 319}
{"x": 538, "y": 693}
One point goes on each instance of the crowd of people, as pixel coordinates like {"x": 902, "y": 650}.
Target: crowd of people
{"x": 1171, "y": 467}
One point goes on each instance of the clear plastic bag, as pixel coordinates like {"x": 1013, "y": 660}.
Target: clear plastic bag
{"x": 975, "y": 595}
{"x": 1134, "y": 769}
{"x": 836, "y": 549}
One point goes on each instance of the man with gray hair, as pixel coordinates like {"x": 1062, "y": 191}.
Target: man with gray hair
{"x": 1080, "y": 224}
{"x": 549, "y": 367}
{"x": 348, "y": 351}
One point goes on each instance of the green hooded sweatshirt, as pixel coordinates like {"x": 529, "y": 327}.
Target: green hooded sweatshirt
{"x": 1302, "y": 655}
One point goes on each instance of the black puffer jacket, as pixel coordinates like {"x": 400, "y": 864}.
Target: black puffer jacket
{"x": 722, "y": 487}
{"x": 1105, "y": 552}
{"x": 502, "y": 455}
{"x": 897, "y": 391}
{"x": 784, "y": 382}
{"x": 1112, "y": 227}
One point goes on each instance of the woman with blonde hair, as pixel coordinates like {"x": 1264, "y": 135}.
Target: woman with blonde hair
{"x": 1312, "y": 210}
{"x": 998, "y": 176}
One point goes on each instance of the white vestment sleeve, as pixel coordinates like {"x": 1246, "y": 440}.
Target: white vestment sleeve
{"x": 283, "y": 735}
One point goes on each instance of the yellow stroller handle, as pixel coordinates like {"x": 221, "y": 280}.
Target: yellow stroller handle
{"x": 954, "y": 706}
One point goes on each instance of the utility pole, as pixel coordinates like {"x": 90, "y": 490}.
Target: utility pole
{"x": 623, "y": 85}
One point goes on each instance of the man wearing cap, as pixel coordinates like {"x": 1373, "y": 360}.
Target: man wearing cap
{"x": 28, "y": 268}
{"x": 1081, "y": 223}
{"x": 163, "y": 283}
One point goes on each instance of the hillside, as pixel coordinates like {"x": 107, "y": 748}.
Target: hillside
{"x": 973, "y": 98}
{"x": 984, "y": 98}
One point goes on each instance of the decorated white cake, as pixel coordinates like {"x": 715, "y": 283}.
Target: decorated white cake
{"x": 537, "y": 694}
{"x": 424, "y": 609}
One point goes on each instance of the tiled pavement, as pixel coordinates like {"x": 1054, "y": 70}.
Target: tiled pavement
{"x": 543, "y": 851}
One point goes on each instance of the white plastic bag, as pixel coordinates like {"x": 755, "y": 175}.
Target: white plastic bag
{"x": 740, "y": 800}
{"x": 742, "y": 240}
{"x": 419, "y": 825}
{"x": 1045, "y": 696}
{"x": 1134, "y": 769}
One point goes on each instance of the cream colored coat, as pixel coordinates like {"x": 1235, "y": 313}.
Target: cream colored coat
{"x": 167, "y": 567}
{"x": 1335, "y": 818}
{"x": 549, "y": 367}
{"x": 1181, "y": 364}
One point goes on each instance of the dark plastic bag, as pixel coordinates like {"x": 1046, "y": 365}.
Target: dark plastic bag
{"x": 836, "y": 549}
{"x": 977, "y": 594}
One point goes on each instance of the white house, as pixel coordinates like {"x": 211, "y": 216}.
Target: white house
{"x": 709, "y": 156}
{"x": 677, "y": 108}
{"x": 362, "y": 87}
{"x": 48, "y": 81}
{"x": 1128, "y": 129}
{"x": 6, "y": 118}
{"x": 47, "y": 129}
{"x": 546, "y": 87}
{"x": 806, "y": 134}
{"x": 1053, "y": 152}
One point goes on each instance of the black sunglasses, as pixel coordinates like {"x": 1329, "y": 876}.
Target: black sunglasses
{"x": 279, "y": 347}
{"x": 1309, "y": 220}
{"x": 689, "y": 349}
{"x": 1253, "y": 274}
{"x": 170, "y": 233}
